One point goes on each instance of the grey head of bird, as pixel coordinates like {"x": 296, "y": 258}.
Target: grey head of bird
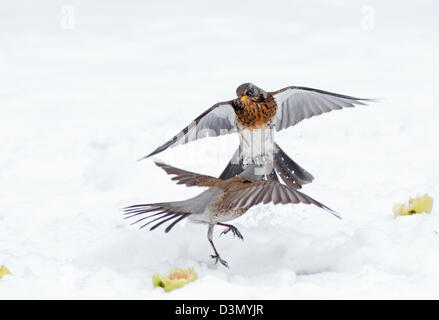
{"x": 253, "y": 173}
{"x": 250, "y": 90}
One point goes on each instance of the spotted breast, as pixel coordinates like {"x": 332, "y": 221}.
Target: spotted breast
{"x": 254, "y": 113}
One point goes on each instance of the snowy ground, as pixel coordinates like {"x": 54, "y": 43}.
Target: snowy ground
{"x": 83, "y": 96}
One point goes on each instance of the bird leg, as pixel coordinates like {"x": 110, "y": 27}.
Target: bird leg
{"x": 215, "y": 256}
{"x": 232, "y": 228}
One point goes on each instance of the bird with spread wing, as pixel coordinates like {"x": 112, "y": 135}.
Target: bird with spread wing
{"x": 224, "y": 200}
{"x": 255, "y": 114}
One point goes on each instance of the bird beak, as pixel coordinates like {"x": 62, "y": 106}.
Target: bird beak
{"x": 244, "y": 97}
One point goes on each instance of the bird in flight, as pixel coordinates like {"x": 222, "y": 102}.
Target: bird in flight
{"x": 255, "y": 114}
{"x": 224, "y": 200}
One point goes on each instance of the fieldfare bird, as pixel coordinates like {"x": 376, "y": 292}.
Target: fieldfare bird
{"x": 255, "y": 114}
{"x": 224, "y": 200}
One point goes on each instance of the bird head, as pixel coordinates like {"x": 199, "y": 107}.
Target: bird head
{"x": 249, "y": 90}
{"x": 253, "y": 173}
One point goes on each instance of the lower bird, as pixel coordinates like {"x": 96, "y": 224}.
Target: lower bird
{"x": 224, "y": 200}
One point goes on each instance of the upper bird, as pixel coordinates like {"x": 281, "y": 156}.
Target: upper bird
{"x": 255, "y": 114}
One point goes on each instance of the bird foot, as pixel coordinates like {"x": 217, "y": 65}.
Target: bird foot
{"x": 218, "y": 258}
{"x": 234, "y": 230}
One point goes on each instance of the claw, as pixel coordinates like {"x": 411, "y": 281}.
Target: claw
{"x": 218, "y": 258}
{"x": 234, "y": 230}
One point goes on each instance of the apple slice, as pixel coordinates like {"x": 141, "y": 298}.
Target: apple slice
{"x": 3, "y": 271}
{"x": 175, "y": 278}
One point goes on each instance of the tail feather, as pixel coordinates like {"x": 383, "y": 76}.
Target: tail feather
{"x": 163, "y": 221}
{"x": 273, "y": 176}
{"x": 233, "y": 168}
{"x": 290, "y": 172}
{"x": 166, "y": 212}
{"x": 175, "y": 222}
{"x": 141, "y": 208}
{"x": 144, "y": 218}
{"x": 158, "y": 218}
{"x": 287, "y": 176}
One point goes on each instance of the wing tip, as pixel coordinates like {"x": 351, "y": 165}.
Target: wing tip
{"x": 374, "y": 99}
{"x": 143, "y": 158}
{"x": 161, "y": 164}
{"x": 335, "y": 213}
{"x": 149, "y": 155}
{"x": 365, "y": 101}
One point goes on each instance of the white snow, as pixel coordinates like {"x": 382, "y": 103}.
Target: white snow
{"x": 81, "y": 99}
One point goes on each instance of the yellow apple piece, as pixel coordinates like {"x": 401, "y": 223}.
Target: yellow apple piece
{"x": 421, "y": 204}
{"x": 3, "y": 271}
{"x": 175, "y": 278}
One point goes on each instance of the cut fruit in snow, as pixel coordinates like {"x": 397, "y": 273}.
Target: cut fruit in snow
{"x": 421, "y": 204}
{"x": 3, "y": 271}
{"x": 175, "y": 278}
{"x": 414, "y": 206}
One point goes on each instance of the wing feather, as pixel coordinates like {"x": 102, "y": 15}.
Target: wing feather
{"x": 247, "y": 196}
{"x": 298, "y": 103}
{"x": 188, "y": 178}
{"x": 268, "y": 194}
{"x": 215, "y": 121}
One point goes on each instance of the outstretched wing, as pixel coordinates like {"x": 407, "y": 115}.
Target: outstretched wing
{"x": 217, "y": 120}
{"x": 298, "y": 103}
{"x": 249, "y": 195}
{"x": 188, "y": 178}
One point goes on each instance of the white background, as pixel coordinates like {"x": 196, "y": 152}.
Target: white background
{"x": 86, "y": 88}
